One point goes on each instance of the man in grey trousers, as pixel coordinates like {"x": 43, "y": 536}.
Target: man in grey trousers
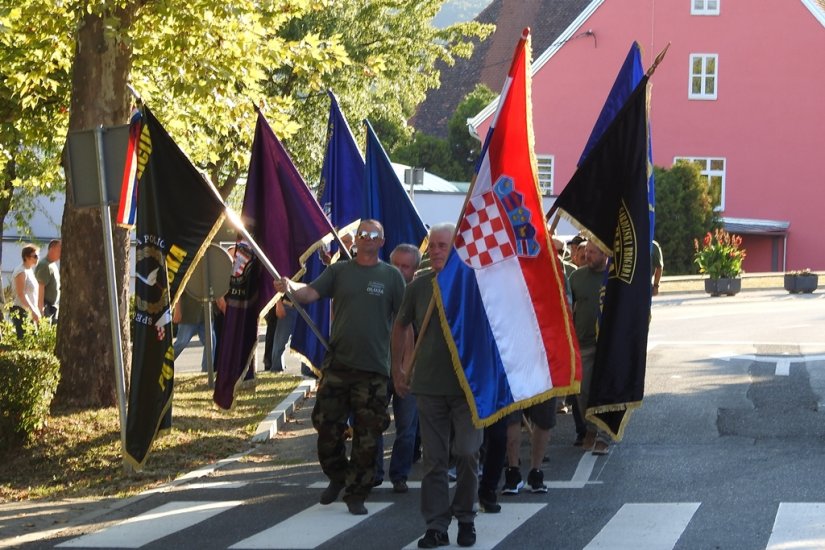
{"x": 444, "y": 415}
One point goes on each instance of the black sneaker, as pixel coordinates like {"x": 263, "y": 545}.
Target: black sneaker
{"x": 536, "y": 481}
{"x": 400, "y": 486}
{"x": 488, "y": 502}
{"x": 433, "y": 539}
{"x": 512, "y": 481}
{"x": 466, "y": 534}
{"x": 331, "y": 493}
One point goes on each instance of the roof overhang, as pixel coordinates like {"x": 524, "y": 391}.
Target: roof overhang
{"x": 755, "y": 226}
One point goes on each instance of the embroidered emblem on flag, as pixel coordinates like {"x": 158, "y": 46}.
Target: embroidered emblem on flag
{"x": 482, "y": 238}
{"x": 519, "y": 217}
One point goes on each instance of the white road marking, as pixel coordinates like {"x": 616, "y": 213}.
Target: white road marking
{"x": 783, "y": 367}
{"x": 798, "y": 526}
{"x": 152, "y": 525}
{"x": 214, "y": 485}
{"x": 384, "y": 485}
{"x": 310, "y": 528}
{"x": 656, "y": 526}
{"x": 491, "y": 529}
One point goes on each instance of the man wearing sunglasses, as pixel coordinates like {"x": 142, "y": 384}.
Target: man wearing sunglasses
{"x": 366, "y": 295}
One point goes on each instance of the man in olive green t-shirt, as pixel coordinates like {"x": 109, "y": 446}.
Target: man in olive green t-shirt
{"x": 585, "y": 286}
{"x": 366, "y": 294}
{"x": 442, "y": 406}
{"x": 48, "y": 276}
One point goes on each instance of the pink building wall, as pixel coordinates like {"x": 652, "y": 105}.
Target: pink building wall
{"x": 768, "y": 121}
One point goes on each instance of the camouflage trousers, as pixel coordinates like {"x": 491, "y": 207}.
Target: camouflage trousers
{"x": 345, "y": 393}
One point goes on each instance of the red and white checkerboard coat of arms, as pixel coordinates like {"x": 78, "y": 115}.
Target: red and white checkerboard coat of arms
{"x": 483, "y": 237}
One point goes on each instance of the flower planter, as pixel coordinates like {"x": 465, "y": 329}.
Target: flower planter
{"x": 801, "y": 283}
{"x": 717, "y": 287}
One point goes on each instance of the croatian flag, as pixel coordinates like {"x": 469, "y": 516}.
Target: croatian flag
{"x": 127, "y": 210}
{"x": 502, "y": 297}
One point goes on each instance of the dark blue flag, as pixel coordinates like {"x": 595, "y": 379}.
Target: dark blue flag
{"x": 608, "y": 198}
{"x": 629, "y": 76}
{"x": 342, "y": 186}
{"x": 386, "y": 200}
{"x": 281, "y": 214}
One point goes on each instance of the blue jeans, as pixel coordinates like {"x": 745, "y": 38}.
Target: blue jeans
{"x": 185, "y": 332}
{"x": 406, "y": 426}
{"x": 283, "y": 330}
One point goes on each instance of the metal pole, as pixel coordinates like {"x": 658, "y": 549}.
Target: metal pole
{"x": 114, "y": 314}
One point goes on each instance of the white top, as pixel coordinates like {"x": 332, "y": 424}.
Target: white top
{"x": 30, "y": 288}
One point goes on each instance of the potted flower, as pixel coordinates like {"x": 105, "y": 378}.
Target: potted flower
{"x": 720, "y": 256}
{"x": 801, "y": 281}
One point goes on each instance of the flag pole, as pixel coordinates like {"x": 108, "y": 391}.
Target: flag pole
{"x": 236, "y": 221}
{"x": 657, "y": 60}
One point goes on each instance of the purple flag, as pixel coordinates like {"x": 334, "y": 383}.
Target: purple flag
{"x": 283, "y": 217}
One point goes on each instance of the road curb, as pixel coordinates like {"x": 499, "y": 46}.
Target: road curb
{"x": 270, "y": 425}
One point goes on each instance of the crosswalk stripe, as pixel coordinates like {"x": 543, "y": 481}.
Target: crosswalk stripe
{"x": 310, "y": 528}
{"x": 491, "y": 529}
{"x": 645, "y": 526}
{"x": 798, "y": 525}
{"x": 214, "y": 485}
{"x": 152, "y": 525}
{"x": 384, "y": 485}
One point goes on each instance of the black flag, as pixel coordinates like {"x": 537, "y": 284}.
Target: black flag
{"x": 608, "y": 197}
{"x": 178, "y": 212}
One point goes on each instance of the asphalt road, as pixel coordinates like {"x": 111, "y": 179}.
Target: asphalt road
{"x": 725, "y": 453}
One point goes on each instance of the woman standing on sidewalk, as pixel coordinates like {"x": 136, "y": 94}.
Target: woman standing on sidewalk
{"x": 25, "y": 290}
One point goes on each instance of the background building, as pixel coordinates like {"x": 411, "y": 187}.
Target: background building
{"x": 738, "y": 93}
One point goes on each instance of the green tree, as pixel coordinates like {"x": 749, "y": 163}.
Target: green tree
{"x": 431, "y": 153}
{"x": 35, "y": 64}
{"x": 392, "y": 51}
{"x": 453, "y": 158}
{"x": 464, "y": 147}
{"x": 684, "y": 211}
{"x": 201, "y": 64}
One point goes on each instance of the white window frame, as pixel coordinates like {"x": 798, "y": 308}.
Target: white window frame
{"x": 707, "y": 173}
{"x": 546, "y": 180}
{"x": 704, "y": 76}
{"x": 704, "y": 7}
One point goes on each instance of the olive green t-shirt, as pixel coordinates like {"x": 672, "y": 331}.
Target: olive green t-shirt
{"x": 433, "y": 372}
{"x": 364, "y": 301}
{"x": 47, "y": 274}
{"x": 585, "y": 286}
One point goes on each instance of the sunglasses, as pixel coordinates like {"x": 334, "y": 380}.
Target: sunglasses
{"x": 368, "y": 235}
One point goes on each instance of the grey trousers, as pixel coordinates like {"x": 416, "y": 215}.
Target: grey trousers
{"x": 445, "y": 422}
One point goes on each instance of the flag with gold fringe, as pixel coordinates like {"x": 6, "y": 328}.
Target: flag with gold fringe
{"x": 178, "y": 213}
{"x": 501, "y": 295}
{"x": 610, "y": 198}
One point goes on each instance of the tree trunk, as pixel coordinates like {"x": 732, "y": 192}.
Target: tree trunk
{"x": 84, "y": 342}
